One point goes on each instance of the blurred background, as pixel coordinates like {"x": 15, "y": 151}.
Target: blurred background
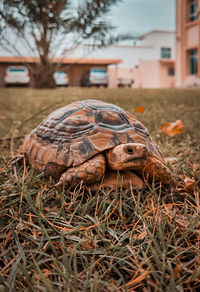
{"x": 130, "y": 43}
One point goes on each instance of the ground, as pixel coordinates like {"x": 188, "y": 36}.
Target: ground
{"x": 106, "y": 241}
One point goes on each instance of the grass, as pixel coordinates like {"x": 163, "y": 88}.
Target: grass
{"x": 106, "y": 241}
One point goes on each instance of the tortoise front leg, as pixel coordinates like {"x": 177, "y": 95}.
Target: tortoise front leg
{"x": 88, "y": 172}
{"x": 159, "y": 171}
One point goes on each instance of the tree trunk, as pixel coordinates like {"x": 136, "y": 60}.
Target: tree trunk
{"x": 43, "y": 76}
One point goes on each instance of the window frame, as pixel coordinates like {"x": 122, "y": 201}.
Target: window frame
{"x": 165, "y": 53}
{"x": 193, "y": 61}
{"x": 192, "y": 15}
{"x": 171, "y": 71}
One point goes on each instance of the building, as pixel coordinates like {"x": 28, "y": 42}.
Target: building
{"x": 148, "y": 62}
{"x": 159, "y": 70}
{"x": 75, "y": 68}
{"x": 154, "y": 74}
{"x": 187, "y": 43}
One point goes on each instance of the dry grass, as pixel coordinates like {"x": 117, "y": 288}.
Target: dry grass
{"x": 120, "y": 241}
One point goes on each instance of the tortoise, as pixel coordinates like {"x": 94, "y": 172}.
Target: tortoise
{"x": 88, "y": 140}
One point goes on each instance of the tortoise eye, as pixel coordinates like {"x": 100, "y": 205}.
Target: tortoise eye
{"x": 129, "y": 150}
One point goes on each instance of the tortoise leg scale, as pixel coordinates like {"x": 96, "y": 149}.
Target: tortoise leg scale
{"x": 88, "y": 172}
{"x": 159, "y": 171}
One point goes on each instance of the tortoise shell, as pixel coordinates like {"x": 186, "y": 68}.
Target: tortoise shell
{"x": 73, "y": 134}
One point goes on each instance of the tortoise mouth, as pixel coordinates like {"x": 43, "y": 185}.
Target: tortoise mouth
{"x": 135, "y": 159}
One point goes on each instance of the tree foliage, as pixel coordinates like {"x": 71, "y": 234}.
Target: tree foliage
{"x": 50, "y": 28}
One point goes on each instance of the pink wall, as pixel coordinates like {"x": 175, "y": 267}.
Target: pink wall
{"x": 149, "y": 74}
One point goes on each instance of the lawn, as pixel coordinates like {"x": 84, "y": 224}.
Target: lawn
{"x": 133, "y": 240}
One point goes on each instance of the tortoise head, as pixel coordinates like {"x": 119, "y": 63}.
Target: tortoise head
{"x": 127, "y": 156}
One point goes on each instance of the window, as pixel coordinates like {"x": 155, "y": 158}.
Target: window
{"x": 171, "y": 71}
{"x": 193, "y": 61}
{"x": 165, "y": 53}
{"x": 98, "y": 70}
{"x": 192, "y": 10}
{"x": 17, "y": 69}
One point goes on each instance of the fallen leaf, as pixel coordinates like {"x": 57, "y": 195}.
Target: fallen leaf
{"x": 189, "y": 184}
{"x": 140, "y": 109}
{"x": 87, "y": 244}
{"x": 173, "y": 129}
{"x": 142, "y": 235}
{"x": 2, "y": 117}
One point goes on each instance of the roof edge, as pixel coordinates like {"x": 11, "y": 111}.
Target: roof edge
{"x": 31, "y": 60}
{"x": 142, "y": 36}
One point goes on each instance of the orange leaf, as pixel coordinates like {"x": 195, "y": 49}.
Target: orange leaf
{"x": 2, "y": 117}
{"x": 140, "y": 109}
{"x": 87, "y": 244}
{"x": 190, "y": 184}
{"x": 173, "y": 129}
{"x": 142, "y": 235}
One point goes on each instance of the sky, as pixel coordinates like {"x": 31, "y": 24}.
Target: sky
{"x": 139, "y": 16}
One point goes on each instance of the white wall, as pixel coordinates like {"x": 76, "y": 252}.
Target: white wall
{"x": 148, "y": 48}
{"x": 159, "y": 39}
{"x": 130, "y": 55}
{"x": 144, "y": 54}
